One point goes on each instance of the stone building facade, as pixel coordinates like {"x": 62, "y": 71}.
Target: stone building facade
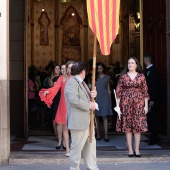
{"x": 16, "y": 54}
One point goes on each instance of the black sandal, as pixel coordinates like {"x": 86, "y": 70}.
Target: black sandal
{"x": 137, "y": 155}
{"x": 106, "y": 139}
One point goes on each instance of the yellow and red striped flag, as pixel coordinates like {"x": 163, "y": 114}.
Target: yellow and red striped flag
{"x": 103, "y": 16}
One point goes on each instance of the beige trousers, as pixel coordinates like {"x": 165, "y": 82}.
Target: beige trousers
{"x": 81, "y": 145}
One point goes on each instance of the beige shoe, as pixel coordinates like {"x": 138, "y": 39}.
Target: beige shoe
{"x": 67, "y": 154}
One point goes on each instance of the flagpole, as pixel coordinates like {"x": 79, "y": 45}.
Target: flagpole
{"x": 93, "y": 87}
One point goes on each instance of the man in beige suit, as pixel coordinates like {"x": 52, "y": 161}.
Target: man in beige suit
{"x": 78, "y": 103}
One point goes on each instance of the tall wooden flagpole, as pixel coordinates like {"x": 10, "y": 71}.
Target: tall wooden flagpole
{"x": 93, "y": 87}
{"x": 103, "y": 17}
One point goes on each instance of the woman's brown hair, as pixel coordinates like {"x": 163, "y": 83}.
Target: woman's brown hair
{"x": 67, "y": 64}
{"x": 138, "y": 69}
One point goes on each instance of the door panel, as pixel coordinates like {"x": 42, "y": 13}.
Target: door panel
{"x": 154, "y": 20}
{"x": 16, "y": 28}
{"x": 168, "y": 66}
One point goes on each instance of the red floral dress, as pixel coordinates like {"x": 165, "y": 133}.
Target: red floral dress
{"x": 132, "y": 94}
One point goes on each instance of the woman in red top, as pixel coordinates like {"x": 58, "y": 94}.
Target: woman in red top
{"x": 47, "y": 96}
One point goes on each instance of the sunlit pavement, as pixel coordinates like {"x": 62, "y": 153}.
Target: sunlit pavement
{"x": 111, "y": 166}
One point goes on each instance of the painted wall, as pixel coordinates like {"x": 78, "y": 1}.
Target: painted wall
{"x": 40, "y": 55}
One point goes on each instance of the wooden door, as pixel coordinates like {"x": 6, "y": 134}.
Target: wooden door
{"x": 154, "y": 20}
{"x": 168, "y": 66}
{"x": 17, "y": 90}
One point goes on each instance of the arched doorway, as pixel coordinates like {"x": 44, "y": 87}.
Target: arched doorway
{"x": 17, "y": 83}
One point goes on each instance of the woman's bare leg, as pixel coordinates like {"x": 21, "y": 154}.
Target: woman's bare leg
{"x": 60, "y": 132}
{"x": 129, "y": 142}
{"x": 105, "y": 124}
{"x": 137, "y": 142}
{"x": 66, "y": 139}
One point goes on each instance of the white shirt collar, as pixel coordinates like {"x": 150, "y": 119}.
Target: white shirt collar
{"x": 79, "y": 79}
{"x": 149, "y": 66}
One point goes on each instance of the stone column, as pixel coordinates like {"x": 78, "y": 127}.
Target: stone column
{"x": 4, "y": 82}
{"x": 168, "y": 67}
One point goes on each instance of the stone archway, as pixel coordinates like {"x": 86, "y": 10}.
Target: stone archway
{"x": 71, "y": 46}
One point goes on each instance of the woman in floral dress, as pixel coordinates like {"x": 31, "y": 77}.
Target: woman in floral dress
{"x": 132, "y": 98}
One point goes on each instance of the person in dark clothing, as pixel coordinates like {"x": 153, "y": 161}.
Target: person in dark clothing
{"x": 43, "y": 76}
{"x": 153, "y": 82}
{"x": 54, "y": 77}
{"x": 31, "y": 92}
{"x": 88, "y": 77}
{"x": 45, "y": 83}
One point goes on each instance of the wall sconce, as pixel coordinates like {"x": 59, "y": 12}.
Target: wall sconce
{"x": 138, "y": 15}
{"x": 73, "y": 14}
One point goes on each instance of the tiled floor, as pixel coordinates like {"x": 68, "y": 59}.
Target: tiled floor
{"x": 46, "y": 143}
{"x": 119, "y": 142}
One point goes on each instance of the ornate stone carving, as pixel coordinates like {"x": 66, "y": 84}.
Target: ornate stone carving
{"x": 44, "y": 22}
{"x": 70, "y": 24}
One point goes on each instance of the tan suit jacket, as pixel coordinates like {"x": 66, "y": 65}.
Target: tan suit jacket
{"x": 78, "y": 105}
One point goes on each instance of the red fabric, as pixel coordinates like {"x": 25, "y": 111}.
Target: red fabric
{"x": 48, "y": 99}
{"x": 103, "y": 16}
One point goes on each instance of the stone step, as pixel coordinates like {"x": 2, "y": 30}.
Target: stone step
{"x": 103, "y": 157}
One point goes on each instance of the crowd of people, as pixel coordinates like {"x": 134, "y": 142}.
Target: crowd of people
{"x": 65, "y": 91}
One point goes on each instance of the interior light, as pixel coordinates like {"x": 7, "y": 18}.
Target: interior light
{"x": 138, "y": 15}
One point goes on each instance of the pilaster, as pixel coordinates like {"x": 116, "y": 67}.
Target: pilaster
{"x": 4, "y": 82}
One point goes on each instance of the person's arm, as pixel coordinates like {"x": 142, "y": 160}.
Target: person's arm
{"x": 144, "y": 88}
{"x": 47, "y": 95}
{"x": 146, "y": 95}
{"x": 146, "y": 106}
{"x": 108, "y": 90}
{"x": 54, "y": 90}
